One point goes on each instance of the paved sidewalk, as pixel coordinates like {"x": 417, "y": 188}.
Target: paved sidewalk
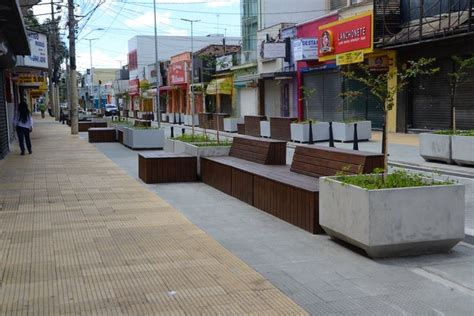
{"x": 80, "y": 236}
{"x": 322, "y": 276}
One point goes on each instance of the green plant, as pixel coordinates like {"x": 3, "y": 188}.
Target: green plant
{"x": 457, "y": 77}
{"x": 307, "y": 93}
{"x": 378, "y": 84}
{"x": 396, "y": 179}
{"x": 456, "y": 132}
{"x": 196, "y": 138}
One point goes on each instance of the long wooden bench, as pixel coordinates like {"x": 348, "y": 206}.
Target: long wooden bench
{"x": 84, "y": 126}
{"x": 252, "y": 124}
{"x": 289, "y": 193}
{"x": 102, "y": 134}
{"x": 163, "y": 167}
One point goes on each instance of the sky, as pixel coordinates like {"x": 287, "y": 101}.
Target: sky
{"x": 120, "y": 20}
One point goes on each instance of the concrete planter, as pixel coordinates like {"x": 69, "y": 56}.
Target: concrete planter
{"x": 164, "y": 117}
{"x": 146, "y": 138}
{"x": 188, "y": 120}
{"x": 393, "y": 222}
{"x": 344, "y": 132}
{"x": 463, "y": 149}
{"x": 200, "y": 151}
{"x": 265, "y": 129}
{"x": 172, "y": 117}
{"x": 436, "y": 147}
{"x": 230, "y": 124}
{"x": 169, "y": 145}
{"x": 126, "y": 136}
{"x": 300, "y": 132}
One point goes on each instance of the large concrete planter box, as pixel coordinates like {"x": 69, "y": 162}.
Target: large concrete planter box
{"x": 188, "y": 120}
{"x": 199, "y": 151}
{"x": 149, "y": 138}
{"x": 344, "y": 132}
{"x": 463, "y": 149}
{"x": 164, "y": 117}
{"x": 126, "y": 136}
{"x": 230, "y": 124}
{"x": 393, "y": 222}
{"x": 436, "y": 147}
{"x": 265, "y": 129}
{"x": 300, "y": 132}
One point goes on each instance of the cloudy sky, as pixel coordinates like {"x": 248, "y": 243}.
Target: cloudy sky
{"x": 123, "y": 19}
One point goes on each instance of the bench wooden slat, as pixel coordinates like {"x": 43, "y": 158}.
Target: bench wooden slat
{"x": 166, "y": 167}
{"x": 252, "y": 124}
{"x": 330, "y": 164}
{"x": 259, "y": 150}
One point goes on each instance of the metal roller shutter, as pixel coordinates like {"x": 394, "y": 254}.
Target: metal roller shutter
{"x": 430, "y": 105}
{"x": 326, "y": 102}
{"x": 465, "y": 103}
{"x": 3, "y": 119}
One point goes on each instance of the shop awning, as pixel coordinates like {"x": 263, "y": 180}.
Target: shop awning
{"x": 220, "y": 86}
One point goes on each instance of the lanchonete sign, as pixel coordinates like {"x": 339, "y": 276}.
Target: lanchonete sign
{"x": 347, "y": 35}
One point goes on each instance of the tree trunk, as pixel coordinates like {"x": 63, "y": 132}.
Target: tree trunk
{"x": 384, "y": 146}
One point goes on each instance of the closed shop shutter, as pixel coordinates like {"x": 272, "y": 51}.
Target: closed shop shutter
{"x": 248, "y": 101}
{"x": 364, "y": 107}
{"x": 465, "y": 102}
{"x": 3, "y": 119}
{"x": 326, "y": 102}
{"x": 430, "y": 103}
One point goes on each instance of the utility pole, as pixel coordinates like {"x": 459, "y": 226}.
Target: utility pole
{"x": 91, "y": 75}
{"x": 72, "y": 69}
{"x": 193, "y": 110}
{"x": 52, "y": 66}
{"x": 157, "y": 71}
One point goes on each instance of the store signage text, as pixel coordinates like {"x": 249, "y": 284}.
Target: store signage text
{"x": 305, "y": 49}
{"x": 350, "y": 58}
{"x": 347, "y": 35}
{"x": 177, "y": 73}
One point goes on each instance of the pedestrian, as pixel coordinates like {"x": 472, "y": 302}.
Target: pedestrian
{"x": 24, "y": 126}
{"x": 42, "y": 108}
{"x": 61, "y": 116}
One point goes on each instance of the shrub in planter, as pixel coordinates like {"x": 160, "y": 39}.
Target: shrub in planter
{"x": 230, "y": 123}
{"x": 462, "y": 146}
{"x": 145, "y": 138}
{"x": 404, "y": 214}
{"x": 300, "y": 131}
{"x": 436, "y": 146}
{"x": 265, "y": 129}
{"x": 201, "y": 146}
{"x": 344, "y": 131}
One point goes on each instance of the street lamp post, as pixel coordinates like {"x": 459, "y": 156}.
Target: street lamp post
{"x": 192, "y": 73}
{"x": 91, "y": 87}
{"x": 157, "y": 71}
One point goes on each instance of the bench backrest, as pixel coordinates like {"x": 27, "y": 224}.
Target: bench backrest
{"x": 319, "y": 161}
{"x": 263, "y": 151}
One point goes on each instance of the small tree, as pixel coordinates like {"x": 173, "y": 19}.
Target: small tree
{"x": 307, "y": 93}
{"x": 456, "y": 78}
{"x": 378, "y": 85}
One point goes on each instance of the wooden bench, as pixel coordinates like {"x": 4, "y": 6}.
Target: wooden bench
{"x": 143, "y": 123}
{"x": 241, "y": 128}
{"x": 289, "y": 193}
{"x": 85, "y": 125}
{"x": 102, "y": 134}
{"x": 280, "y": 127}
{"x": 252, "y": 124}
{"x": 163, "y": 167}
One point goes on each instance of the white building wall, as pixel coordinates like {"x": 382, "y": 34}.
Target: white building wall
{"x": 168, "y": 46}
{"x": 307, "y": 10}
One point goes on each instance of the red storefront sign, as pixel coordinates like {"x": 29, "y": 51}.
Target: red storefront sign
{"x": 177, "y": 73}
{"x": 133, "y": 87}
{"x": 347, "y": 35}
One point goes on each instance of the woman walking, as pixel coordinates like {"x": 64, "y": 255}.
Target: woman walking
{"x": 24, "y": 126}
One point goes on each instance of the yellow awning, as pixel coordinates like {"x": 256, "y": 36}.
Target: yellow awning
{"x": 220, "y": 86}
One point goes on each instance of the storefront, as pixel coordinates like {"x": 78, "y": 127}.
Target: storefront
{"x": 134, "y": 96}
{"x": 178, "y": 75}
{"x": 220, "y": 92}
{"x": 340, "y": 43}
{"x": 247, "y": 93}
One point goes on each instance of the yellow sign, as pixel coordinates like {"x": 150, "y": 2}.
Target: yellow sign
{"x": 30, "y": 78}
{"x": 350, "y": 58}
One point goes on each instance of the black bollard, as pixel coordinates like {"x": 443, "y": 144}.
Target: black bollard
{"x": 356, "y": 139}
{"x": 179, "y": 118}
{"x": 174, "y": 118}
{"x": 183, "y": 131}
{"x": 383, "y": 138}
{"x": 310, "y": 141}
{"x": 331, "y": 136}
{"x": 172, "y": 131}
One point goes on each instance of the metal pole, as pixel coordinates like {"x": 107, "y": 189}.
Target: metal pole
{"x": 91, "y": 76}
{"x": 193, "y": 110}
{"x": 72, "y": 65}
{"x": 157, "y": 71}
